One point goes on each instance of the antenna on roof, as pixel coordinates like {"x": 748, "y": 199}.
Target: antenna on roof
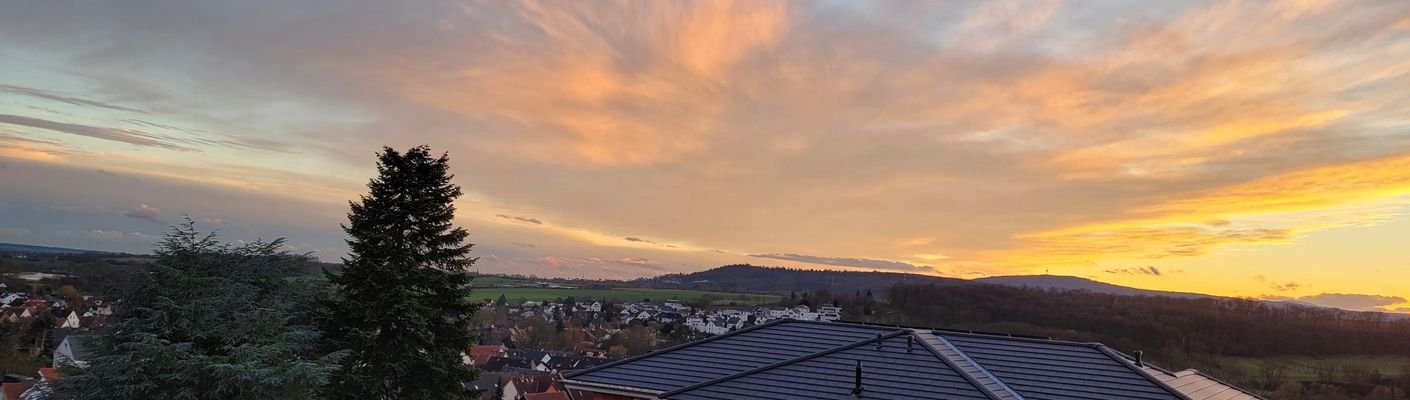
{"x": 1139, "y": 363}
{"x": 857, "y": 386}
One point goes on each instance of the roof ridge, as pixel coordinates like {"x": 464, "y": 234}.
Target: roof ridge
{"x": 971, "y": 362}
{"x": 805, "y": 357}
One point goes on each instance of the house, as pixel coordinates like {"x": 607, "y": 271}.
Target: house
{"x": 480, "y": 354}
{"x": 500, "y": 364}
{"x": 42, "y": 390}
{"x": 523, "y": 385}
{"x": 791, "y": 359}
{"x": 72, "y": 321}
{"x": 75, "y": 349}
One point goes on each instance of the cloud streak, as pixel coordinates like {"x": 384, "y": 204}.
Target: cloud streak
{"x": 1146, "y": 270}
{"x": 129, "y": 136}
{"x": 78, "y": 101}
{"x": 529, "y": 220}
{"x": 885, "y": 265}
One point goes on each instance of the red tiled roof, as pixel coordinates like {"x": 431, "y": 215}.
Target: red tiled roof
{"x": 13, "y": 390}
{"x": 548, "y": 396}
{"x": 482, "y": 353}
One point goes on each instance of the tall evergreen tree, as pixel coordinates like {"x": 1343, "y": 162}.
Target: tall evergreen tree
{"x": 402, "y": 304}
{"x": 207, "y": 321}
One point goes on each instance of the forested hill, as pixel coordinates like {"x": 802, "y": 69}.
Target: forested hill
{"x": 751, "y": 278}
{"x": 1084, "y": 284}
{"x": 756, "y": 279}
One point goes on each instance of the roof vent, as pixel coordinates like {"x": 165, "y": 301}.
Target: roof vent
{"x": 878, "y": 340}
{"x": 910, "y": 343}
{"x": 1139, "y": 363}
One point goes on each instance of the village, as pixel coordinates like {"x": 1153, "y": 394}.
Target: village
{"x": 527, "y": 347}
{"x": 45, "y": 331}
{"x": 710, "y": 321}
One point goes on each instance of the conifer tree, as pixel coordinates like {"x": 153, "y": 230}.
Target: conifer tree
{"x": 207, "y": 320}
{"x": 402, "y": 302}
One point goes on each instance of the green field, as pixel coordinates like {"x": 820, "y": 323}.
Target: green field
{"x": 489, "y": 281}
{"x": 1305, "y": 368}
{"x": 520, "y": 295}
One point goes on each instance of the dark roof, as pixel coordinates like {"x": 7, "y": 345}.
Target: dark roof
{"x": 901, "y": 368}
{"x": 497, "y": 364}
{"x": 569, "y": 363}
{"x": 805, "y": 359}
{"x": 516, "y": 371}
{"x": 725, "y": 355}
{"x": 1049, "y": 369}
{"x": 487, "y": 381}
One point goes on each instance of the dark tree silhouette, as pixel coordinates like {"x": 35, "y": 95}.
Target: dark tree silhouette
{"x": 403, "y": 298}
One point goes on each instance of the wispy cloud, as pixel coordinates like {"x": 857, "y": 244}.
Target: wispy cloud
{"x": 530, "y": 220}
{"x": 129, "y": 136}
{"x": 1146, "y": 270}
{"x": 846, "y": 262}
{"x": 78, "y": 101}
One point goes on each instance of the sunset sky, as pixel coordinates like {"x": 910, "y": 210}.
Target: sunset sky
{"x": 1256, "y": 149}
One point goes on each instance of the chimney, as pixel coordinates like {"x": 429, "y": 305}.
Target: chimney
{"x": 857, "y": 386}
{"x": 1139, "y": 363}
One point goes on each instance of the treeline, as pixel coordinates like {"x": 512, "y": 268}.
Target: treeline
{"x": 1160, "y": 325}
{"x": 99, "y": 273}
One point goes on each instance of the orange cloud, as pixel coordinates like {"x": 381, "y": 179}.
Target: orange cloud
{"x": 1269, "y": 210}
{"x": 604, "y": 85}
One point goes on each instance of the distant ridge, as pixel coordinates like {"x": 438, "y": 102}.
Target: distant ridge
{"x": 1060, "y": 282}
{"x": 32, "y": 249}
{"x": 757, "y": 279}
{"x": 751, "y": 278}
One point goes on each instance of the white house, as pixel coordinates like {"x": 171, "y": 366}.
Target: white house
{"x": 72, "y": 321}
{"x": 73, "y": 350}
